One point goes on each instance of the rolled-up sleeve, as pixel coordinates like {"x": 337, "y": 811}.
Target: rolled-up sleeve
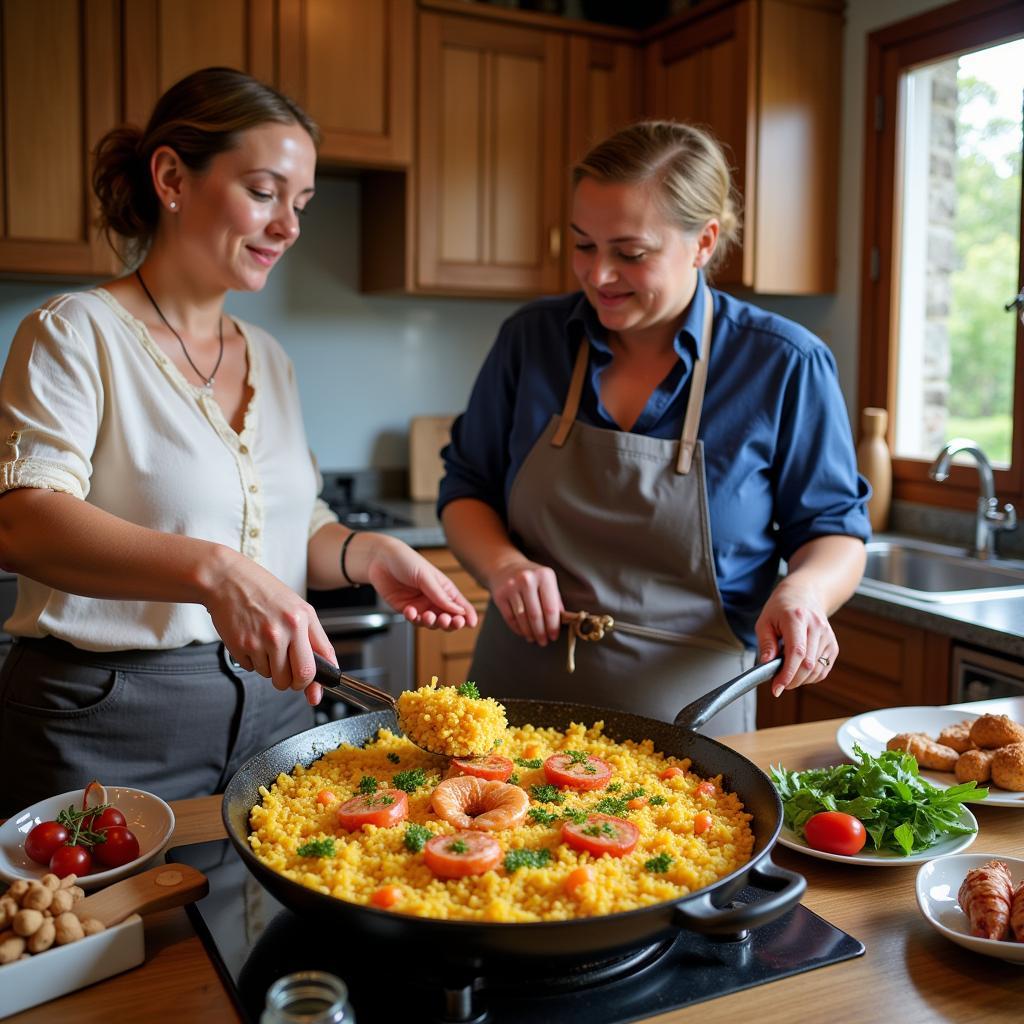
{"x": 818, "y": 489}
{"x": 51, "y": 404}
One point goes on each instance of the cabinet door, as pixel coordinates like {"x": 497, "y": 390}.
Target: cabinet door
{"x": 490, "y": 160}
{"x": 59, "y": 97}
{"x": 448, "y": 655}
{"x": 604, "y": 95}
{"x": 704, "y": 74}
{"x": 164, "y": 41}
{"x": 349, "y": 64}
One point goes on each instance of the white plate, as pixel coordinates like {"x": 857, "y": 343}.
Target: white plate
{"x": 888, "y": 858}
{"x": 938, "y": 884}
{"x": 874, "y": 729}
{"x": 146, "y": 815}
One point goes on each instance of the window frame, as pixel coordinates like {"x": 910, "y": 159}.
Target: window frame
{"x": 956, "y": 28}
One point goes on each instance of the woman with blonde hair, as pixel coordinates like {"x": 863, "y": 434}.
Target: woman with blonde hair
{"x": 636, "y": 459}
{"x": 159, "y": 500}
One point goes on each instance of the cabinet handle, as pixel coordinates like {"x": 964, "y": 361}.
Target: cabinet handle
{"x": 555, "y": 242}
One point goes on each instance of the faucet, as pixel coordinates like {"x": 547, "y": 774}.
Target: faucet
{"x": 990, "y": 519}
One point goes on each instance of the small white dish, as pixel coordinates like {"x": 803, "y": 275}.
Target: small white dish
{"x": 887, "y": 858}
{"x": 874, "y": 729}
{"x": 149, "y": 817}
{"x": 938, "y": 885}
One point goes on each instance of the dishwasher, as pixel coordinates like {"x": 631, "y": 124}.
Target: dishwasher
{"x": 981, "y": 675}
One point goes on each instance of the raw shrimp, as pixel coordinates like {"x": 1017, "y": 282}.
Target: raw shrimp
{"x": 487, "y": 805}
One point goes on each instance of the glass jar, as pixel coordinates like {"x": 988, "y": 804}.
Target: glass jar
{"x": 308, "y": 997}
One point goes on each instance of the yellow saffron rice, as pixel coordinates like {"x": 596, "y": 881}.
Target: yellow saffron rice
{"x": 371, "y": 857}
{"x": 440, "y": 719}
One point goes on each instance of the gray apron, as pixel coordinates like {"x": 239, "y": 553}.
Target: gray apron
{"x": 623, "y": 521}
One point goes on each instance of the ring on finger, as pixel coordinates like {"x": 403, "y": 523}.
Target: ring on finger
{"x": 824, "y": 659}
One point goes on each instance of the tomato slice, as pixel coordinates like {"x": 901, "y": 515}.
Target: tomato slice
{"x": 386, "y": 807}
{"x": 492, "y": 767}
{"x": 577, "y": 770}
{"x": 461, "y": 854}
{"x": 601, "y": 833}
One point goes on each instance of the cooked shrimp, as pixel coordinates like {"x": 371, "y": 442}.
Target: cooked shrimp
{"x": 986, "y": 896}
{"x": 487, "y": 805}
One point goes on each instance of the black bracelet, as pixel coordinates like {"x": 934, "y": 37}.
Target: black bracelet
{"x": 341, "y": 561}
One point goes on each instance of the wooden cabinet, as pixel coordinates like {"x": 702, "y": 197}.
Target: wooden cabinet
{"x": 448, "y": 655}
{"x": 764, "y": 75}
{"x": 489, "y": 176}
{"x": 349, "y": 64}
{"x": 60, "y": 93}
{"x": 881, "y": 664}
{"x": 165, "y": 41}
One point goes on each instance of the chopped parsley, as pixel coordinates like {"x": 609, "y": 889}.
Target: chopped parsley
{"x": 394, "y": 758}
{"x": 317, "y": 848}
{"x": 657, "y": 801}
{"x": 531, "y": 762}
{"x": 599, "y": 828}
{"x": 410, "y": 780}
{"x": 497, "y": 742}
{"x": 468, "y": 689}
{"x": 547, "y": 794}
{"x": 613, "y": 805}
{"x": 516, "y": 859}
{"x": 368, "y": 784}
{"x": 416, "y": 837}
{"x": 541, "y": 816}
{"x": 513, "y": 779}
{"x": 577, "y": 756}
{"x": 379, "y": 799}
{"x": 576, "y": 816}
{"x": 458, "y": 846}
{"x": 660, "y": 864}
{"x": 614, "y": 787}
{"x": 634, "y": 794}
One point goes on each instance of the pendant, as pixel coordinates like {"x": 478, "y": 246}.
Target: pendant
{"x": 208, "y": 386}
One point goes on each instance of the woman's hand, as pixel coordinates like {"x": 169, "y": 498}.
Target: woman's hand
{"x": 408, "y": 582}
{"x": 526, "y": 593}
{"x": 265, "y": 625}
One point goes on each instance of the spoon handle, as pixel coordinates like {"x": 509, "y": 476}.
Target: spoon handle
{"x": 349, "y": 689}
{"x": 168, "y": 885}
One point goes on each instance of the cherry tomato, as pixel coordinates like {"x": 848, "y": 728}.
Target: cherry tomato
{"x": 671, "y": 772}
{"x": 71, "y": 860}
{"x": 386, "y": 807}
{"x": 702, "y": 822}
{"x": 492, "y": 767}
{"x": 601, "y": 833}
{"x": 461, "y": 854}
{"x": 706, "y": 789}
{"x": 118, "y": 848}
{"x": 105, "y": 819}
{"x": 44, "y": 839}
{"x": 835, "y": 832}
{"x": 577, "y": 771}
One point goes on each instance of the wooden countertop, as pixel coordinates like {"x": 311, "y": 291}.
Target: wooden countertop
{"x": 909, "y": 973}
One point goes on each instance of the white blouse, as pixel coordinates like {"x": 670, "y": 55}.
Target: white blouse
{"x": 90, "y": 406}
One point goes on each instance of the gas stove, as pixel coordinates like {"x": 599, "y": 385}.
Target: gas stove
{"x": 346, "y": 494}
{"x": 253, "y": 940}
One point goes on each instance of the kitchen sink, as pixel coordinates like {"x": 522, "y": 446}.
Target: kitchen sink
{"x": 934, "y": 572}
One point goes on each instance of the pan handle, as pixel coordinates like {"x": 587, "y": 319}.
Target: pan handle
{"x": 694, "y": 715}
{"x": 700, "y": 915}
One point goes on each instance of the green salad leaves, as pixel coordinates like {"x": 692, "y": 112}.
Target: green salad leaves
{"x": 900, "y": 810}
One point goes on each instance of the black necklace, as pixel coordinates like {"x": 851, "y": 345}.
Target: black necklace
{"x": 207, "y": 381}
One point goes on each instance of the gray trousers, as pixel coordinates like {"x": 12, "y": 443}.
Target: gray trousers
{"x": 178, "y": 723}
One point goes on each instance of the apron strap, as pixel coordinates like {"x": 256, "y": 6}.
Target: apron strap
{"x": 691, "y": 422}
{"x": 572, "y": 399}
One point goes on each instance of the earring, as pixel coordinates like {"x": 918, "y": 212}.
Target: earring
{"x": 172, "y": 205}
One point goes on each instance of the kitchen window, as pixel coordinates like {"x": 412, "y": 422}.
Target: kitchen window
{"x": 942, "y": 244}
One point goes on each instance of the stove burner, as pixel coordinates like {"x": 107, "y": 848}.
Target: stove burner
{"x": 362, "y": 516}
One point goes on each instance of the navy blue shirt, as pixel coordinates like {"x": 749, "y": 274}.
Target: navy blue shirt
{"x": 778, "y": 452}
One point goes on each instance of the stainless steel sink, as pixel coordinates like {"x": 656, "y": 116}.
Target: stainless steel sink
{"x": 934, "y": 572}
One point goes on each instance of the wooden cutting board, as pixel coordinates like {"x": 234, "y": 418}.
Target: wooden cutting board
{"x": 427, "y": 436}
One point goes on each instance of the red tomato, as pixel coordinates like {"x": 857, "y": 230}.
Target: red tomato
{"x": 492, "y": 767}
{"x": 44, "y": 840}
{"x": 386, "y": 807}
{"x": 461, "y": 854}
{"x": 601, "y": 833}
{"x": 586, "y": 772}
{"x": 71, "y": 860}
{"x": 706, "y": 789}
{"x": 105, "y": 819}
{"x": 835, "y": 832}
{"x": 118, "y": 848}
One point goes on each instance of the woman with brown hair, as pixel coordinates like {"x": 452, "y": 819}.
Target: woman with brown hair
{"x": 637, "y": 457}
{"x": 159, "y": 501}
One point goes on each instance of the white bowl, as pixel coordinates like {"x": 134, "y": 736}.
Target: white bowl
{"x": 938, "y": 883}
{"x": 149, "y": 817}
